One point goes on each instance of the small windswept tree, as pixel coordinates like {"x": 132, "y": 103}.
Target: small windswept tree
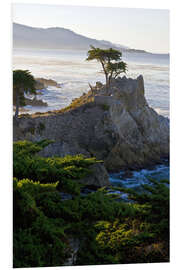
{"x": 110, "y": 60}
{"x": 23, "y": 82}
{"x": 115, "y": 69}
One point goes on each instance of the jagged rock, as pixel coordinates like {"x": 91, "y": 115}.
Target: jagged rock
{"x": 98, "y": 178}
{"x": 39, "y": 85}
{"x": 43, "y": 83}
{"x": 35, "y": 102}
{"x": 116, "y": 126}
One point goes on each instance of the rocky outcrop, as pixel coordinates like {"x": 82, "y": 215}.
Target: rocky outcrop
{"x": 115, "y": 125}
{"x": 39, "y": 85}
{"x": 42, "y": 83}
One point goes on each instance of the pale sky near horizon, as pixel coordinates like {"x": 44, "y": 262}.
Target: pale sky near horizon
{"x": 146, "y": 29}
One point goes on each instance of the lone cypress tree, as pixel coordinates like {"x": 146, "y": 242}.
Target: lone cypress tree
{"x": 110, "y": 60}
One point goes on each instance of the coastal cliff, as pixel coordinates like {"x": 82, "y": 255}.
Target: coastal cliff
{"x": 113, "y": 124}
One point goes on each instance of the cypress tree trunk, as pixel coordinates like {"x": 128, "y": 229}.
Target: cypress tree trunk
{"x": 106, "y": 75}
{"x": 109, "y": 80}
{"x": 17, "y": 106}
{"x": 106, "y": 80}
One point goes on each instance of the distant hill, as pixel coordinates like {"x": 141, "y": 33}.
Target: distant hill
{"x": 57, "y": 38}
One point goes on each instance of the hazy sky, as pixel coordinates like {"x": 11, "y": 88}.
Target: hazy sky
{"x": 146, "y": 29}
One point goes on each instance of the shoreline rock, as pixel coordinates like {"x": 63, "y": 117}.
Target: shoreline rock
{"x": 115, "y": 125}
{"x": 42, "y": 83}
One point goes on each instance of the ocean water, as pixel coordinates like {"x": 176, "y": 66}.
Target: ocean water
{"x": 135, "y": 179}
{"x": 73, "y": 72}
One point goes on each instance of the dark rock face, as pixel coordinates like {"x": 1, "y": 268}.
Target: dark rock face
{"x": 117, "y": 127}
{"x": 98, "y": 178}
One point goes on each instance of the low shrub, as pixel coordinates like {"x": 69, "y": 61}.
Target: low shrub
{"x": 37, "y": 239}
{"x": 27, "y": 164}
{"x": 137, "y": 236}
{"x": 109, "y": 230}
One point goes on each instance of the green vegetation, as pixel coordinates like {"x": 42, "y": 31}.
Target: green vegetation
{"x": 67, "y": 170}
{"x": 37, "y": 239}
{"x": 23, "y": 82}
{"x": 137, "y": 236}
{"x": 110, "y": 60}
{"x": 109, "y": 229}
